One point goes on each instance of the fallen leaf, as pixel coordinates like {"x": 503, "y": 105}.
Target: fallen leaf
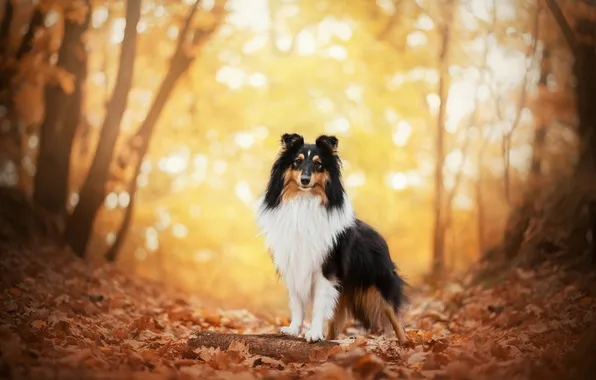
{"x": 538, "y": 327}
{"x": 360, "y": 341}
{"x": 368, "y": 366}
{"x": 586, "y": 301}
{"x": 331, "y": 371}
{"x": 260, "y": 360}
{"x": 39, "y": 324}
{"x": 416, "y": 358}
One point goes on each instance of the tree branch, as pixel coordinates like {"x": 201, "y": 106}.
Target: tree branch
{"x": 563, "y": 24}
{"x": 92, "y": 193}
{"x": 140, "y": 142}
{"x": 506, "y": 145}
{"x": 276, "y": 346}
{"x": 178, "y": 65}
{"x": 391, "y": 22}
{"x": 184, "y": 31}
{"x": 5, "y": 27}
{"x": 27, "y": 41}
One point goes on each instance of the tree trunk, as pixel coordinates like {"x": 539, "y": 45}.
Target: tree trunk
{"x": 5, "y": 95}
{"x": 92, "y": 193}
{"x": 142, "y": 139}
{"x": 113, "y": 251}
{"x": 585, "y": 74}
{"x": 480, "y": 213}
{"x": 541, "y": 124}
{"x": 5, "y": 28}
{"x": 27, "y": 41}
{"x": 438, "y": 263}
{"x": 144, "y": 136}
{"x": 583, "y": 48}
{"x": 61, "y": 119}
{"x": 584, "y": 52}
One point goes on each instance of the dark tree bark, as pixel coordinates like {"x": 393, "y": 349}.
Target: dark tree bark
{"x": 5, "y": 28}
{"x": 585, "y": 74}
{"x": 61, "y": 119}
{"x": 5, "y": 94}
{"x": 541, "y": 124}
{"x": 80, "y": 224}
{"x": 141, "y": 141}
{"x": 286, "y": 348}
{"x": 582, "y": 44}
{"x": 583, "y": 47}
{"x": 438, "y": 263}
{"x": 480, "y": 208}
{"x": 27, "y": 41}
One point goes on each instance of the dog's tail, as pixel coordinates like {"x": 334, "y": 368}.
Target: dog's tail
{"x": 395, "y": 300}
{"x": 393, "y": 292}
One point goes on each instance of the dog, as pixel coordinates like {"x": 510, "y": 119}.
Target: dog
{"x": 325, "y": 255}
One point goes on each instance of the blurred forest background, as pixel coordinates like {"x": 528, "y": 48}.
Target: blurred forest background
{"x": 145, "y": 129}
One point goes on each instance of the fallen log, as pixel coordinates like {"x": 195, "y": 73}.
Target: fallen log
{"x": 278, "y": 346}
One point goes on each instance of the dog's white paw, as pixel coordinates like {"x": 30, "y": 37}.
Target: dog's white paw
{"x": 314, "y": 335}
{"x": 290, "y": 330}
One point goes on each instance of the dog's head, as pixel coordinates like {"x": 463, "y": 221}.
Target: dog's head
{"x": 306, "y": 169}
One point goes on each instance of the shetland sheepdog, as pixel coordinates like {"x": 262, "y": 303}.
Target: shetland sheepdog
{"x": 325, "y": 255}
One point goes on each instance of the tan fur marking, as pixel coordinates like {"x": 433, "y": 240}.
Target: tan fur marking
{"x": 376, "y": 310}
{"x": 292, "y": 187}
{"x": 316, "y": 159}
{"x": 372, "y": 303}
{"x": 336, "y": 325}
{"x": 301, "y": 156}
{"x": 320, "y": 180}
{"x": 290, "y": 190}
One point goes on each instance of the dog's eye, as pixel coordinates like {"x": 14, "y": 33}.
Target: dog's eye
{"x": 297, "y": 162}
{"x": 318, "y": 165}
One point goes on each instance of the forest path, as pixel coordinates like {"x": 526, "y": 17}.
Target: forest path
{"x": 61, "y": 318}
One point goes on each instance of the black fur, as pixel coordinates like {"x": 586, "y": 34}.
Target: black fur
{"x": 360, "y": 258}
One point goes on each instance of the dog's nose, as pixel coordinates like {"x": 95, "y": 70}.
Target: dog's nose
{"x": 305, "y": 180}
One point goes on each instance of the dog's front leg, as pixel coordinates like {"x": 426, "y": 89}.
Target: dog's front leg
{"x": 325, "y": 298}
{"x": 297, "y": 310}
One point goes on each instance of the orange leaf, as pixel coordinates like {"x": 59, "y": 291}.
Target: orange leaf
{"x": 39, "y": 324}
{"x": 368, "y": 366}
{"x": 358, "y": 342}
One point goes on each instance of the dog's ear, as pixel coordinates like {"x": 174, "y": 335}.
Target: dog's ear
{"x": 329, "y": 143}
{"x": 291, "y": 141}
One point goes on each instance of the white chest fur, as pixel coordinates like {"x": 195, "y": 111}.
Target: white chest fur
{"x": 300, "y": 234}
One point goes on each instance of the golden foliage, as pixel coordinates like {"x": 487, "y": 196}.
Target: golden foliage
{"x": 364, "y": 71}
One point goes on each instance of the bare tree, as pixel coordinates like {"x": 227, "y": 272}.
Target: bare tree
{"x": 521, "y": 103}
{"x": 80, "y": 224}
{"x": 5, "y": 27}
{"x": 27, "y": 41}
{"x": 540, "y": 130}
{"x": 438, "y": 263}
{"x": 582, "y": 45}
{"x": 140, "y": 143}
{"x": 62, "y": 116}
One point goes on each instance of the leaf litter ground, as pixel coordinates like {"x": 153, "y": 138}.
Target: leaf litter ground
{"x": 63, "y": 318}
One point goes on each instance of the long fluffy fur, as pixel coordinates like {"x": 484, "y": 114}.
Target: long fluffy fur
{"x": 322, "y": 251}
